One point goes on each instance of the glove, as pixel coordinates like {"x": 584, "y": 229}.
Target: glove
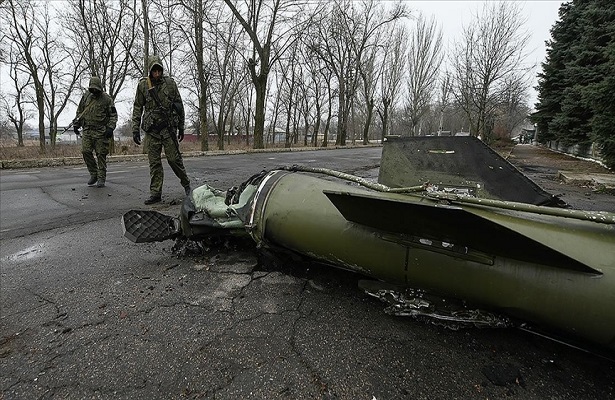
{"x": 109, "y": 133}
{"x": 180, "y": 135}
{"x": 136, "y": 137}
{"x": 76, "y": 129}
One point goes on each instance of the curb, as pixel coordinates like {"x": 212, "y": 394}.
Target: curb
{"x": 67, "y": 161}
{"x": 600, "y": 182}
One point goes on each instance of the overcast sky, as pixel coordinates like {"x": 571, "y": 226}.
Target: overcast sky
{"x": 540, "y": 16}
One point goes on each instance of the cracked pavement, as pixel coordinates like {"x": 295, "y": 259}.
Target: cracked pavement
{"x": 86, "y": 314}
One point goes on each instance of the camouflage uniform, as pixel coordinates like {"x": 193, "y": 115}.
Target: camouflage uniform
{"x": 159, "y": 111}
{"x": 97, "y": 116}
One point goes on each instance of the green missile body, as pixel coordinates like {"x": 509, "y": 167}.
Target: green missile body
{"x": 448, "y": 217}
{"x": 554, "y": 271}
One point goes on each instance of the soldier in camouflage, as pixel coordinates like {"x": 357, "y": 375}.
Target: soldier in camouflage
{"x": 159, "y": 111}
{"x": 96, "y": 116}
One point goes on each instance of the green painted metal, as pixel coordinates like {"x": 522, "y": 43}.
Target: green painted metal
{"x": 556, "y": 271}
{"x": 479, "y": 233}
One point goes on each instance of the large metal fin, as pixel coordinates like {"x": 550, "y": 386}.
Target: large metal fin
{"x": 462, "y": 161}
{"x": 534, "y": 238}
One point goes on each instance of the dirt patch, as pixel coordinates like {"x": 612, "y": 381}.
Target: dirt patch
{"x": 543, "y": 166}
{"x": 541, "y": 158}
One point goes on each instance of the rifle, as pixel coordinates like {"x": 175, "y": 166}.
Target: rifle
{"x": 69, "y": 126}
{"x": 77, "y": 119}
{"x": 174, "y": 108}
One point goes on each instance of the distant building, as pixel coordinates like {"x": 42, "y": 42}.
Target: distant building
{"x": 67, "y": 137}
{"x": 30, "y": 134}
{"x": 62, "y": 137}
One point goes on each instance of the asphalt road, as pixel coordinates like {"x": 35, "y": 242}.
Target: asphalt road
{"x": 86, "y": 314}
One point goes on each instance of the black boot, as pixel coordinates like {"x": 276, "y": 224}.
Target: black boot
{"x": 152, "y": 199}
{"x": 92, "y": 181}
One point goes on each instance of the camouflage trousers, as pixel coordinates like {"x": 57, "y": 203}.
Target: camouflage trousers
{"x": 93, "y": 141}
{"x": 154, "y": 143}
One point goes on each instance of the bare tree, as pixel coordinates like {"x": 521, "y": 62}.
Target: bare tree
{"x": 393, "y": 68}
{"x": 5, "y": 131}
{"x": 290, "y": 78}
{"x": 368, "y": 71}
{"x": 62, "y": 67}
{"x": 306, "y": 107}
{"x": 146, "y": 33}
{"x": 246, "y": 111}
{"x": 16, "y": 110}
{"x": 424, "y": 60}
{"x": 21, "y": 19}
{"x": 4, "y": 38}
{"x": 327, "y": 41}
{"x": 315, "y": 88}
{"x": 227, "y": 69}
{"x": 330, "y": 96}
{"x": 512, "y": 110}
{"x": 444, "y": 99}
{"x": 194, "y": 35}
{"x": 276, "y": 105}
{"x": 166, "y": 33}
{"x": 374, "y": 29}
{"x": 106, "y": 31}
{"x": 270, "y": 25}
{"x": 490, "y": 53}
{"x": 341, "y": 40}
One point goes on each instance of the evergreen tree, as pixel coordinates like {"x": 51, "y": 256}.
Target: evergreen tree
{"x": 576, "y": 88}
{"x": 551, "y": 82}
{"x": 601, "y": 93}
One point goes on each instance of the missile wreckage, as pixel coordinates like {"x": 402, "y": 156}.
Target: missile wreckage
{"x": 448, "y": 218}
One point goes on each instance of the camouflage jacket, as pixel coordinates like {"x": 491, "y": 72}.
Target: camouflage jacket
{"x": 96, "y": 112}
{"x": 157, "y": 104}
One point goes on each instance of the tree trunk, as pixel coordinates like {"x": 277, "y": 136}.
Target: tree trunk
{"x": 385, "y": 118}
{"x": 368, "y": 122}
{"x": 220, "y": 131}
{"x": 325, "y": 136}
{"x": 40, "y": 101}
{"x": 342, "y": 121}
{"x": 203, "y": 123}
{"x": 259, "y": 111}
